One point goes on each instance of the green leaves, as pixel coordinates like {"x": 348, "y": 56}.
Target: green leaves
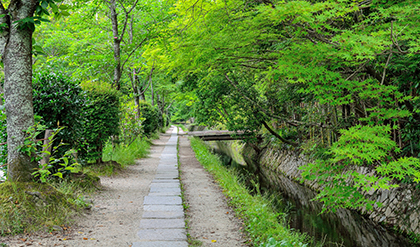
{"x": 363, "y": 145}
{"x": 369, "y": 147}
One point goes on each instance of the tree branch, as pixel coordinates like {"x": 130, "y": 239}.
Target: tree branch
{"x": 127, "y": 13}
{"x": 150, "y": 78}
{"x": 290, "y": 122}
{"x": 395, "y": 42}
{"x": 132, "y": 52}
{"x": 277, "y": 135}
{"x": 386, "y": 65}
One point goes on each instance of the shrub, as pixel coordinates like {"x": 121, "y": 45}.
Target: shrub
{"x": 151, "y": 118}
{"x": 101, "y": 119}
{"x": 59, "y": 101}
{"x": 130, "y": 124}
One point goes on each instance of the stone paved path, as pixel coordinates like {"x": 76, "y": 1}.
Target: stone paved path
{"x": 163, "y": 224}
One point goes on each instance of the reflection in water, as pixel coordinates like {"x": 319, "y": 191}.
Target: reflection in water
{"x": 342, "y": 228}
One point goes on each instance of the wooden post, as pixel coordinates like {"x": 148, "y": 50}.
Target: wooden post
{"x": 47, "y": 146}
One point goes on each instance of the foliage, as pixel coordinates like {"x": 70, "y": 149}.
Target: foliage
{"x": 151, "y": 118}
{"x": 65, "y": 164}
{"x": 131, "y": 124}
{"x": 126, "y": 154}
{"x": 59, "y": 101}
{"x": 261, "y": 221}
{"x": 101, "y": 120}
{"x": 26, "y": 207}
{"x": 303, "y": 72}
{"x": 54, "y": 165}
{"x": 359, "y": 146}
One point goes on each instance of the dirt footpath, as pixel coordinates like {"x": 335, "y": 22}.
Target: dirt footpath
{"x": 115, "y": 216}
{"x": 209, "y": 218}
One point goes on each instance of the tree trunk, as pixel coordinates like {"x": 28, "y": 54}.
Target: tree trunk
{"x": 117, "y": 44}
{"x": 17, "y": 59}
{"x": 153, "y": 94}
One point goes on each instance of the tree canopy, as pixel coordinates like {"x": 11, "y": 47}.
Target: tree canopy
{"x": 336, "y": 80}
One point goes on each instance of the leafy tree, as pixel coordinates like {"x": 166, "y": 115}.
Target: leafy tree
{"x": 18, "y": 20}
{"x": 306, "y": 73}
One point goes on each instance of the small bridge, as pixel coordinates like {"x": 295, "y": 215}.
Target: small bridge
{"x": 219, "y": 135}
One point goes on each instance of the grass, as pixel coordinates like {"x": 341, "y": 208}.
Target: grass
{"x": 263, "y": 224}
{"x": 26, "y": 207}
{"x": 126, "y": 155}
{"x": 164, "y": 129}
{"x": 182, "y": 127}
{"x": 29, "y": 207}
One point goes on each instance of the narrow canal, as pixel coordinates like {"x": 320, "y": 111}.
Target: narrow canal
{"x": 343, "y": 228}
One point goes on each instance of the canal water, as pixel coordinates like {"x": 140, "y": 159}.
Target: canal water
{"x": 343, "y": 228}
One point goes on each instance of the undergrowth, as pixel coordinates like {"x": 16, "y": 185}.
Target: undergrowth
{"x": 182, "y": 127}
{"x": 266, "y": 227}
{"x": 127, "y": 154}
{"x": 26, "y": 207}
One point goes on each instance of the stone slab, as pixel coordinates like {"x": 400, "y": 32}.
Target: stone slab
{"x": 161, "y": 244}
{"x": 169, "y": 155}
{"x": 165, "y": 193}
{"x": 165, "y": 181}
{"x": 169, "y": 164}
{"x": 165, "y": 208}
{"x": 164, "y": 185}
{"x": 165, "y": 189}
{"x": 168, "y": 172}
{"x": 167, "y": 176}
{"x": 162, "y": 200}
{"x": 163, "y": 215}
{"x": 163, "y": 234}
{"x": 162, "y": 223}
{"x": 167, "y": 168}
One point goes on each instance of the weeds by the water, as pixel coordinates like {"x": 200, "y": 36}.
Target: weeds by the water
{"x": 126, "y": 155}
{"x": 261, "y": 220}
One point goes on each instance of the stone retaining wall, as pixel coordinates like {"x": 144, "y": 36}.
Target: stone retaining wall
{"x": 401, "y": 206}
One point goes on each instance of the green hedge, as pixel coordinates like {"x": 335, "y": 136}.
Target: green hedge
{"x": 59, "y": 101}
{"x": 101, "y": 120}
{"x": 151, "y": 118}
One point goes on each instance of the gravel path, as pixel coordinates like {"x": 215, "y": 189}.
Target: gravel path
{"x": 115, "y": 216}
{"x": 209, "y": 218}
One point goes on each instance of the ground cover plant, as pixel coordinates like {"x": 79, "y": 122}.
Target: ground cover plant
{"x": 265, "y": 226}
{"x": 127, "y": 154}
{"x": 25, "y": 207}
